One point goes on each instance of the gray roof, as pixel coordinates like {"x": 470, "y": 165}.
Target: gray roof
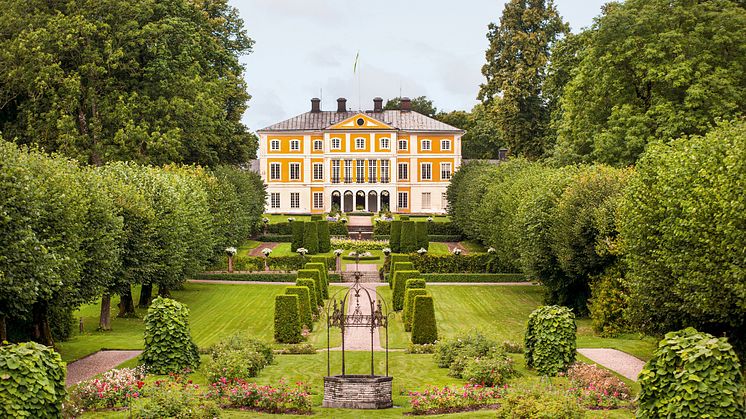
{"x": 404, "y": 121}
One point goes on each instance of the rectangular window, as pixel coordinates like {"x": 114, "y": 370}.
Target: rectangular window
{"x": 445, "y": 171}
{"x": 384, "y": 143}
{"x": 294, "y": 199}
{"x": 335, "y": 171}
{"x": 403, "y": 171}
{"x": 403, "y": 198}
{"x": 294, "y": 171}
{"x": 274, "y": 200}
{"x": 425, "y": 145}
{"x": 384, "y": 171}
{"x": 295, "y": 145}
{"x": 318, "y": 200}
{"x": 336, "y": 144}
{"x": 348, "y": 171}
{"x": 426, "y": 200}
{"x": 371, "y": 171}
{"x": 359, "y": 143}
{"x": 318, "y": 145}
{"x": 403, "y": 144}
{"x": 274, "y": 145}
{"x": 360, "y": 171}
{"x": 445, "y": 145}
{"x": 318, "y": 171}
{"x": 274, "y": 171}
{"x": 426, "y": 171}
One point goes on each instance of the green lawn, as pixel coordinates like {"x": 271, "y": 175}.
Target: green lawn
{"x": 247, "y": 247}
{"x": 436, "y": 218}
{"x": 283, "y": 218}
{"x": 436, "y": 248}
{"x": 473, "y": 246}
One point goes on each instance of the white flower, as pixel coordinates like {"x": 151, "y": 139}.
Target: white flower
{"x": 266, "y": 251}
{"x": 265, "y": 220}
{"x": 291, "y": 219}
{"x": 491, "y": 250}
{"x": 457, "y": 251}
{"x": 422, "y": 251}
{"x": 338, "y": 252}
{"x": 430, "y": 219}
{"x": 302, "y": 251}
{"x": 231, "y": 251}
{"x": 353, "y": 253}
{"x": 386, "y": 251}
{"x": 344, "y": 220}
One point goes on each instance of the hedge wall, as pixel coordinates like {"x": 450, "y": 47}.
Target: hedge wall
{"x": 396, "y": 257}
{"x": 292, "y": 263}
{"x": 337, "y": 228}
{"x": 399, "y": 266}
{"x": 286, "y": 228}
{"x": 321, "y": 267}
{"x": 412, "y": 284}
{"x": 313, "y": 294}
{"x": 263, "y": 277}
{"x": 32, "y": 381}
{"x": 444, "y": 229}
{"x": 277, "y": 238}
{"x": 316, "y": 276}
{"x": 298, "y": 235}
{"x": 550, "y": 339}
{"x": 287, "y": 319}
{"x": 475, "y": 278}
{"x": 472, "y": 263}
{"x": 382, "y": 228}
{"x": 444, "y": 238}
{"x": 323, "y": 259}
{"x": 311, "y": 237}
{"x": 400, "y": 283}
{"x": 421, "y": 233}
{"x": 408, "y": 241}
{"x": 395, "y": 239}
{"x": 168, "y": 342}
{"x": 424, "y": 329}
{"x": 325, "y": 243}
{"x": 304, "y": 305}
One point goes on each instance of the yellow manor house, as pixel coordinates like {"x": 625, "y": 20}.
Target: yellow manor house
{"x": 358, "y": 161}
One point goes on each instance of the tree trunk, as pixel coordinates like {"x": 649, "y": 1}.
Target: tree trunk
{"x": 41, "y": 331}
{"x": 146, "y": 295}
{"x": 164, "y": 292}
{"x": 3, "y": 330}
{"x": 104, "y": 321}
{"x": 126, "y": 304}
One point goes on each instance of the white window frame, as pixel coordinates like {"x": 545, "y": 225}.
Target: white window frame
{"x": 445, "y": 145}
{"x": 359, "y": 171}
{"x": 385, "y": 170}
{"x": 404, "y": 143}
{"x": 372, "y": 175}
{"x": 318, "y": 200}
{"x": 294, "y": 145}
{"x": 405, "y": 171}
{"x": 274, "y": 145}
{"x": 399, "y": 200}
{"x": 429, "y": 145}
{"x": 291, "y": 165}
{"x": 336, "y": 170}
{"x": 385, "y": 143}
{"x": 426, "y": 200}
{"x": 336, "y": 143}
{"x": 429, "y": 171}
{"x": 274, "y": 200}
{"x": 318, "y": 145}
{"x": 443, "y": 167}
{"x": 294, "y": 200}
{"x": 318, "y": 171}
{"x": 358, "y": 145}
{"x": 272, "y": 171}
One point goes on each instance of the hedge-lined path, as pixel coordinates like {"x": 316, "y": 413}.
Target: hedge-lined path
{"x": 257, "y": 251}
{"x": 95, "y": 364}
{"x": 358, "y": 338}
{"x": 617, "y": 361}
{"x": 456, "y": 245}
{"x": 221, "y": 281}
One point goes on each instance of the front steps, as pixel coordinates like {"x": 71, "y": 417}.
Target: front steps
{"x": 365, "y": 276}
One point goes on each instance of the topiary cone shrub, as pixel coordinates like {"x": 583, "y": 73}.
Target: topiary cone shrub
{"x": 312, "y": 293}
{"x": 424, "y": 329}
{"x": 325, "y": 242}
{"x": 408, "y": 304}
{"x": 311, "y": 237}
{"x": 297, "y": 228}
{"x": 692, "y": 375}
{"x": 423, "y": 240}
{"x": 408, "y": 242}
{"x": 395, "y": 237}
{"x": 393, "y": 267}
{"x": 321, "y": 267}
{"x": 168, "y": 342}
{"x": 287, "y": 319}
{"x": 550, "y": 339}
{"x": 304, "y": 305}
{"x": 400, "y": 284}
{"x": 32, "y": 381}
{"x": 316, "y": 276}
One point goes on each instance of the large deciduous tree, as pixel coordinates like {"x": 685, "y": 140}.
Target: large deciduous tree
{"x": 516, "y": 67}
{"x": 102, "y": 80}
{"x": 652, "y": 69}
{"x": 420, "y": 104}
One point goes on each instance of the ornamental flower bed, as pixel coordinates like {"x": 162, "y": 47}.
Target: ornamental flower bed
{"x": 349, "y": 244}
{"x": 251, "y": 396}
{"x": 115, "y": 388}
{"x": 451, "y": 400}
{"x": 595, "y": 387}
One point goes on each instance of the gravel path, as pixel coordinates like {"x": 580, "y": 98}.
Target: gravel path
{"x": 618, "y": 361}
{"x": 257, "y": 251}
{"x": 96, "y": 363}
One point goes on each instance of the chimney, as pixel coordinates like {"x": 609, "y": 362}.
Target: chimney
{"x": 405, "y": 104}
{"x": 341, "y": 105}
{"x": 377, "y": 104}
{"x": 502, "y": 154}
{"x": 315, "y": 105}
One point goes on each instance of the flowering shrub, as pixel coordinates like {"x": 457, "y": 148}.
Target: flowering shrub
{"x": 593, "y": 379}
{"x": 349, "y": 244}
{"x": 540, "y": 402}
{"x": 477, "y": 344}
{"x": 297, "y": 349}
{"x": 234, "y": 365}
{"x": 489, "y": 371}
{"x": 425, "y": 348}
{"x": 450, "y": 400}
{"x": 115, "y": 388}
{"x": 174, "y": 397}
{"x": 280, "y": 399}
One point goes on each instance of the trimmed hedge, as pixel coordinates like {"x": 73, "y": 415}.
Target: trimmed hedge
{"x": 400, "y": 283}
{"x": 445, "y": 238}
{"x": 421, "y": 234}
{"x": 382, "y": 228}
{"x": 445, "y": 229}
{"x": 408, "y": 241}
{"x": 399, "y": 266}
{"x": 475, "y": 278}
{"x": 325, "y": 243}
{"x": 263, "y": 277}
{"x": 372, "y": 257}
{"x": 313, "y": 295}
{"x": 395, "y": 239}
{"x": 321, "y": 267}
{"x": 322, "y": 259}
{"x": 316, "y": 276}
{"x": 424, "y": 329}
{"x": 397, "y": 257}
{"x": 287, "y": 319}
{"x": 168, "y": 342}
{"x": 409, "y": 295}
{"x": 277, "y": 238}
{"x": 292, "y": 263}
{"x": 316, "y": 217}
{"x": 311, "y": 237}
{"x": 32, "y": 381}
{"x": 415, "y": 283}
{"x": 550, "y": 339}
{"x": 691, "y": 375}
{"x": 337, "y": 228}
{"x": 304, "y": 304}
{"x": 472, "y": 263}
{"x": 298, "y": 235}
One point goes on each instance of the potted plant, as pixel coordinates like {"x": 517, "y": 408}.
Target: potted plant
{"x": 230, "y": 251}
{"x": 337, "y": 254}
{"x": 457, "y": 251}
{"x": 266, "y": 251}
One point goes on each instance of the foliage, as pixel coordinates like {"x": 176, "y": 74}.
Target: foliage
{"x": 32, "y": 381}
{"x": 314, "y": 274}
{"x": 473, "y": 278}
{"x": 351, "y": 244}
{"x": 259, "y": 277}
{"x": 594, "y": 378}
{"x": 447, "y": 350}
{"x": 287, "y": 319}
{"x": 168, "y": 342}
{"x": 298, "y": 349}
{"x": 108, "y": 94}
{"x": 282, "y": 399}
{"x": 237, "y": 364}
{"x": 175, "y": 398}
{"x": 313, "y": 294}
{"x": 304, "y": 305}
{"x": 311, "y": 237}
{"x": 652, "y": 70}
{"x": 422, "y": 237}
{"x": 289, "y": 263}
{"x": 400, "y": 283}
{"x": 444, "y": 238}
{"x": 298, "y": 228}
{"x": 540, "y": 402}
{"x": 115, "y": 388}
{"x": 424, "y": 329}
{"x": 325, "y": 243}
{"x": 408, "y": 242}
{"x": 409, "y": 295}
{"x": 451, "y": 400}
{"x": 328, "y": 262}
{"x": 608, "y": 305}
{"x": 692, "y": 375}
{"x": 681, "y": 222}
{"x": 512, "y": 347}
{"x": 322, "y": 268}
{"x": 395, "y": 239}
{"x": 482, "y": 138}
{"x": 465, "y": 191}
{"x": 550, "y": 340}
{"x": 338, "y": 228}
{"x": 517, "y": 60}
{"x": 426, "y": 348}
{"x": 490, "y": 371}
{"x": 240, "y": 341}
{"x": 450, "y": 263}
{"x": 419, "y": 104}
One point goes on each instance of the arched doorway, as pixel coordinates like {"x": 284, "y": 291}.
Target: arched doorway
{"x": 360, "y": 201}
{"x": 372, "y": 201}
{"x": 348, "y": 201}
{"x": 385, "y": 199}
{"x": 336, "y": 201}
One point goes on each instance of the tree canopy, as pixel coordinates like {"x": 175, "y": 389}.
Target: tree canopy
{"x": 420, "y": 104}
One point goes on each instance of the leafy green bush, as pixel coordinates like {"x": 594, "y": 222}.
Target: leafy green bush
{"x": 168, "y": 342}
{"x": 298, "y": 228}
{"x": 277, "y": 238}
{"x": 290, "y": 263}
{"x": 475, "y": 278}
{"x": 471, "y": 263}
{"x": 421, "y": 233}
{"x": 395, "y": 239}
{"x": 311, "y": 237}
{"x": 608, "y": 304}
{"x": 233, "y": 365}
{"x": 415, "y": 283}
{"x": 398, "y": 266}
{"x": 315, "y": 217}
{"x": 424, "y": 329}
{"x": 444, "y": 238}
{"x": 313, "y": 295}
{"x": 400, "y": 283}
{"x": 316, "y": 276}
{"x": 304, "y": 305}
{"x": 321, "y": 267}
{"x": 175, "y": 398}
{"x": 408, "y": 242}
{"x": 550, "y": 339}
{"x": 32, "y": 381}
{"x": 395, "y": 258}
{"x": 298, "y": 349}
{"x": 447, "y": 350}
{"x": 427, "y": 348}
{"x": 263, "y": 277}
{"x": 325, "y": 243}
{"x": 692, "y": 375}
{"x": 539, "y": 402}
{"x": 489, "y": 371}
{"x": 287, "y": 319}
{"x": 409, "y": 295}
{"x": 338, "y": 228}
{"x": 382, "y": 228}
{"x": 240, "y": 341}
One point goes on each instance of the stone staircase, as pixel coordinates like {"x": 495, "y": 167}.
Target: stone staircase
{"x": 360, "y": 232}
{"x": 365, "y": 276}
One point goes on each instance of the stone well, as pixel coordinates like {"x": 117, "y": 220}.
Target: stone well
{"x": 358, "y": 392}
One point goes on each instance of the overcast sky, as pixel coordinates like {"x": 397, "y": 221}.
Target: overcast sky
{"x": 306, "y": 48}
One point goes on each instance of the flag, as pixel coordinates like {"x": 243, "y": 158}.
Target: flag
{"x": 354, "y": 66}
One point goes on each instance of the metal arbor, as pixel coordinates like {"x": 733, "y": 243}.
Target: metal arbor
{"x": 336, "y": 317}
